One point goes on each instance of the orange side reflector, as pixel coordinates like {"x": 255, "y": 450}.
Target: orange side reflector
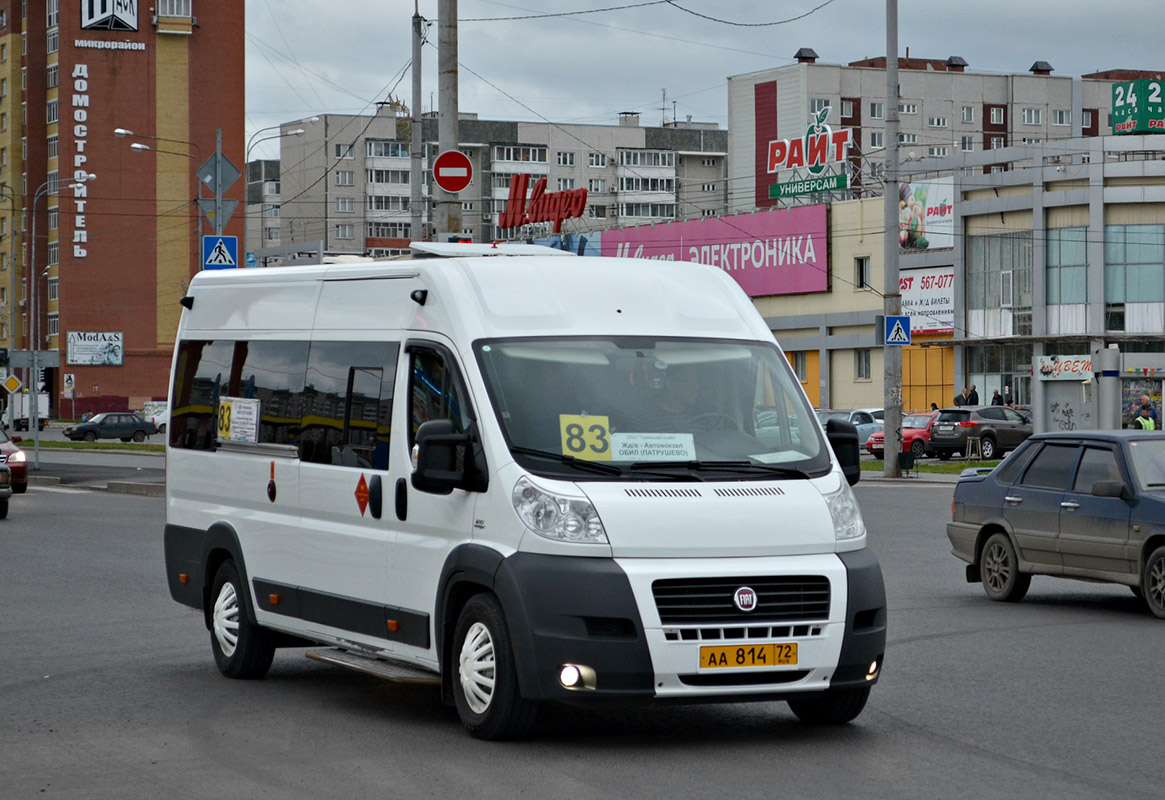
{"x": 274, "y": 598}
{"x": 183, "y": 577}
{"x": 393, "y": 625}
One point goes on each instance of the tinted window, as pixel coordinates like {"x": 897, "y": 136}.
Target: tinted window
{"x": 1096, "y": 465}
{"x": 1013, "y": 416}
{"x": 201, "y": 376}
{"x": 1052, "y": 467}
{"x": 347, "y": 403}
{"x": 1009, "y": 470}
{"x": 954, "y": 416}
{"x": 991, "y": 413}
{"x": 436, "y": 392}
{"x": 272, "y": 373}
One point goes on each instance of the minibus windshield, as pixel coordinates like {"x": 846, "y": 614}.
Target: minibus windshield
{"x": 651, "y": 409}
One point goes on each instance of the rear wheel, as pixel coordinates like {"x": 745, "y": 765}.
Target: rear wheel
{"x": 987, "y": 448}
{"x": 999, "y": 566}
{"x": 1153, "y": 582}
{"x": 831, "y": 707}
{"x": 943, "y": 455}
{"x": 241, "y": 648}
{"x": 139, "y": 436}
{"x": 485, "y": 685}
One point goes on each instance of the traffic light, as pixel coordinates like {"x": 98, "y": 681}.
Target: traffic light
{"x": 3, "y": 356}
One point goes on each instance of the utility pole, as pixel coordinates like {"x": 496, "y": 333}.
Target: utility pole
{"x": 416, "y": 215}
{"x": 446, "y": 206}
{"x": 892, "y": 353}
{"x": 218, "y": 224}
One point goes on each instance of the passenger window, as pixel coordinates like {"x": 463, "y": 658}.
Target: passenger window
{"x": 1051, "y": 468}
{"x": 436, "y": 392}
{"x": 347, "y": 404}
{"x": 1096, "y": 465}
{"x": 201, "y": 376}
{"x": 1007, "y": 472}
{"x": 272, "y": 373}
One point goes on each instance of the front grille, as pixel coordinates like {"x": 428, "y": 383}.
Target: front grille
{"x": 685, "y": 601}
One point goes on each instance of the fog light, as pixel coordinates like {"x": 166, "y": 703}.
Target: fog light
{"x": 873, "y": 671}
{"x": 576, "y": 676}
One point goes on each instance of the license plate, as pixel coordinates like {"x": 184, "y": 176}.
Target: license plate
{"x": 779, "y": 654}
{"x": 945, "y": 428}
{"x": 875, "y": 446}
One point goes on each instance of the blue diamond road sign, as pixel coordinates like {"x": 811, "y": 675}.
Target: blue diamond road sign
{"x": 898, "y": 330}
{"x": 220, "y": 252}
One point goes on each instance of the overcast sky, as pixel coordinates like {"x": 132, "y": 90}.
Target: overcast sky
{"x": 305, "y": 57}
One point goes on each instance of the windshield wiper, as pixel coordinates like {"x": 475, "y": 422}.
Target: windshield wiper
{"x": 749, "y": 467}
{"x": 578, "y": 463}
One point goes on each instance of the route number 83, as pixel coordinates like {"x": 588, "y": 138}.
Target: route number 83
{"x": 585, "y": 437}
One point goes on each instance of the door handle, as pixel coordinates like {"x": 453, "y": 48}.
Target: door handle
{"x": 1070, "y": 505}
{"x": 1013, "y": 499}
{"x": 402, "y": 499}
{"x": 375, "y": 495}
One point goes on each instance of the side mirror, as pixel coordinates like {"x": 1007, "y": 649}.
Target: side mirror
{"x": 18, "y": 438}
{"x": 1111, "y": 489}
{"x": 447, "y": 460}
{"x": 843, "y": 438}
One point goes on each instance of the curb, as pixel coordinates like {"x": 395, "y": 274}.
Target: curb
{"x": 140, "y": 489}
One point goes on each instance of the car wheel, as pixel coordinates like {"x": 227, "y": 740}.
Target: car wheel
{"x": 831, "y": 707}
{"x": 999, "y": 566}
{"x": 987, "y": 448}
{"x": 485, "y": 683}
{"x": 1153, "y": 582}
{"x": 943, "y": 455}
{"x": 90, "y": 436}
{"x": 19, "y": 488}
{"x": 880, "y": 456}
{"x": 162, "y": 428}
{"x": 917, "y": 449}
{"x": 3, "y": 509}
{"x": 241, "y": 648}
{"x": 139, "y": 436}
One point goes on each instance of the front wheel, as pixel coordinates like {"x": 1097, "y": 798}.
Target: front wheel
{"x": 831, "y": 707}
{"x": 1153, "y": 582}
{"x": 90, "y": 436}
{"x": 485, "y": 685}
{"x": 241, "y": 648}
{"x": 917, "y": 449}
{"x": 1002, "y": 580}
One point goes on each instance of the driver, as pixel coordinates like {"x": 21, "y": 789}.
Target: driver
{"x": 674, "y": 405}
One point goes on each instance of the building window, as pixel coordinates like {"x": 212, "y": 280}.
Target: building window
{"x": 381, "y": 202}
{"x": 343, "y": 205}
{"x": 1086, "y": 119}
{"x": 968, "y": 113}
{"x": 53, "y": 146}
{"x": 877, "y": 140}
{"x": 54, "y": 215}
{"x": 345, "y": 178}
{"x": 862, "y": 273}
{"x": 51, "y": 180}
{"x": 174, "y": 8}
{"x": 565, "y": 159}
{"x": 270, "y": 187}
{"x": 908, "y": 108}
{"x": 877, "y": 110}
{"x": 1032, "y": 116}
{"x": 52, "y": 13}
{"x": 345, "y": 231}
{"x": 509, "y": 153}
{"x": 1061, "y": 116}
{"x": 649, "y": 210}
{"x": 647, "y": 185}
{"x": 51, "y": 112}
{"x": 54, "y": 288}
{"x": 596, "y": 159}
{"x": 271, "y": 211}
{"x": 708, "y": 162}
{"x": 1066, "y": 257}
{"x": 817, "y": 104}
{"x": 799, "y": 366}
{"x": 847, "y": 108}
{"x": 597, "y": 185}
{"x": 388, "y": 230}
{"x": 53, "y": 40}
{"x": 54, "y": 323}
{"x": 999, "y": 275}
{"x": 967, "y": 143}
{"x": 1032, "y": 140}
{"x": 937, "y": 152}
{"x": 54, "y": 252}
{"x": 862, "y": 365}
{"x": 937, "y": 122}
{"x": 908, "y": 138}
{"x": 382, "y": 149}
{"x": 997, "y": 115}
{"x": 597, "y": 212}
{"x": 565, "y": 184}
{"x": 344, "y": 150}
{"x": 52, "y": 76}
{"x": 707, "y": 187}
{"x": 271, "y": 234}
{"x": 647, "y": 158}
{"x": 1134, "y": 264}
{"x": 997, "y": 142}
{"x": 399, "y": 177}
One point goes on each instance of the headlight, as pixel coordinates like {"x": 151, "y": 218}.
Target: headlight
{"x": 17, "y": 457}
{"x": 847, "y": 517}
{"x": 564, "y": 519}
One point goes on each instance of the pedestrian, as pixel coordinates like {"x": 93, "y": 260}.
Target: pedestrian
{"x": 1143, "y": 421}
{"x": 933, "y": 407}
{"x": 1147, "y": 403}
{"x": 973, "y": 396}
{"x": 996, "y": 398}
{"x": 961, "y": 397}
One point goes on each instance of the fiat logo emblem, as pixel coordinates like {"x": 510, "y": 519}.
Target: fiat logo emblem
{"x": 745, "y": 598}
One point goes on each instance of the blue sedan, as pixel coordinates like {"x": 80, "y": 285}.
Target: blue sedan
{"x": 1085, "y": 504}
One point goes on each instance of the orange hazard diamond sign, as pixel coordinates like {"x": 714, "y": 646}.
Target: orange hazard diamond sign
{"x": 362, "y": 494}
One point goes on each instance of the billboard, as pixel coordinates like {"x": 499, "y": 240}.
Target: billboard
{"x": 767, "y": 253}
{"x": 928, "y": 298}
{"x": 95, "y": 348}
{"x": 1138, "y": 107}
{"x": 926, "y": 215}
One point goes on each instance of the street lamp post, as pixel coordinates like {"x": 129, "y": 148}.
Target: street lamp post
{"x": 7, "y": 192}
{"x": 247, "y": 165}
{"x": 46, "y": 188}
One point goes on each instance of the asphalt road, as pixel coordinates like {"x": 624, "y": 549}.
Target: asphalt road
{"x": 108, "y": 690}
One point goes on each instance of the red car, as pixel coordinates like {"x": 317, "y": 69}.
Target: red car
{"x": 915, "y": 436}
{"x": 14, "y": 457}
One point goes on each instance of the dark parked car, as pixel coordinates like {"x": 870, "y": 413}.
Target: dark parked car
{"x": 122, "y": 425}
{"x": 998, "y": 429}
{"x": 1087, "y": 505}
{"x": 17, "y": 463}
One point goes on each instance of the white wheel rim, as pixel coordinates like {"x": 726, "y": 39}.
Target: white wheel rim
{"x": 476, "y": 668}
{"x": 226, "y": 619}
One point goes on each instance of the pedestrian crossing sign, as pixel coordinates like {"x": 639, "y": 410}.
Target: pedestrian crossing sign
{"x": 220, "y": 252}
{"x": 898, "y": 330}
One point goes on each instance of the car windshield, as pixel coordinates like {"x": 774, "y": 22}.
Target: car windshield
{"x": 650, "y": 407}
{"x": 916, "y": 421}
{"x": 1148, "y": 457}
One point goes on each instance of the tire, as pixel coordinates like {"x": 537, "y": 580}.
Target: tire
{"x": 162, "y": 429}
{"x": 139, "y": 436}
{"x": 987, "y": 449}
{"x": 999, "y": 566}
{"x": 90, "y": 436}
{"x": 19, "y": 488}
{"x": 943, "y": 455}
{"x": 241, "y": 648}
{"x": 485, "y": 678}
{"x": 3, "y": 509}
{"x": 880, "y": 456}
{"x": 918, "y": 449}
{"x": 1153, "y": 582}
{"x": 831, "y": 707}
